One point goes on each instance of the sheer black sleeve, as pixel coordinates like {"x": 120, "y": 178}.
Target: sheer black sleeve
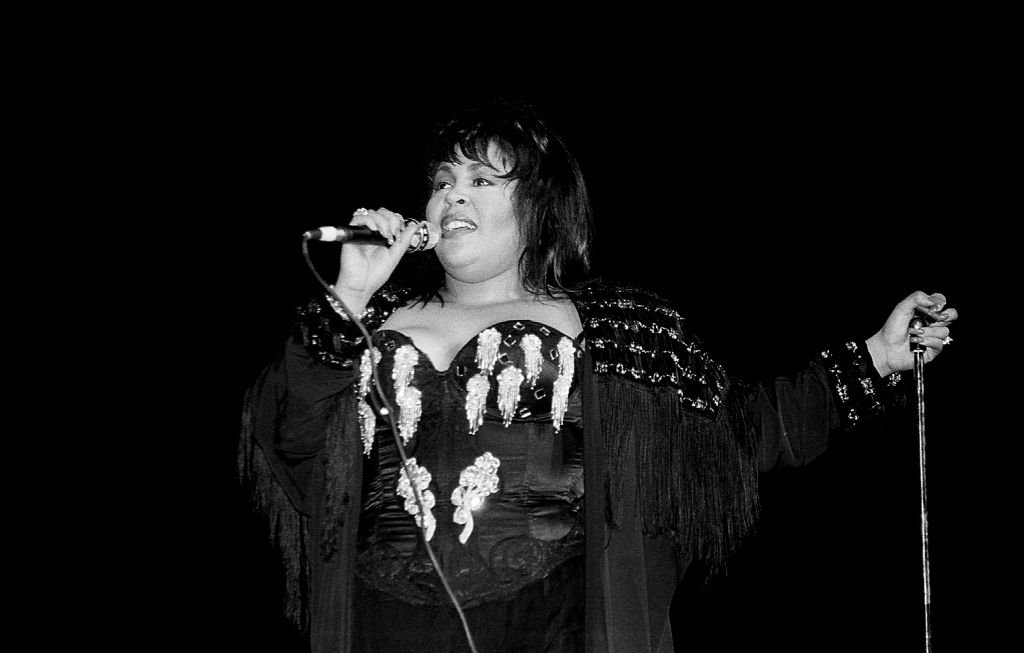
{"x": 795, "y": 417}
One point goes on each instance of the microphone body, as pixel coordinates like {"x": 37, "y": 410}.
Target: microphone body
{"x": 426, "y": 237}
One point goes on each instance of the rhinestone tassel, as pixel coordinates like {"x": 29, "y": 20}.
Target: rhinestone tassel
{"x": 367, "y": 420}
{"x": 408, "y": 398}
{"x": 532, "y": 359}
{"x": 476, "y": 400}
{"x": 367, "y": 426}
{"x": 560, "y": 399}
{"x": 508, "y": 392}
{"x": 487, "y": 344}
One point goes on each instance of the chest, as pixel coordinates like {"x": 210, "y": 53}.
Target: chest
{"x": 441, "y": 332}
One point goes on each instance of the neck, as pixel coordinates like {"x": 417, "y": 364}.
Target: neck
{"x": 506, "y": 287}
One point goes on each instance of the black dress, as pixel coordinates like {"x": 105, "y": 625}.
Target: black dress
{"x": 500, "y": 435}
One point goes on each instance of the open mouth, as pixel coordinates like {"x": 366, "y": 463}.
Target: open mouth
{"x": 457, "y": 225}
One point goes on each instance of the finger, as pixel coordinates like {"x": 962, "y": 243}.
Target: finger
{"x": 408, "y": 233}
{"x": 394, "y": 223}
{"x": 933, "y": 331}
{"x": 949, "y": 315}
{"x": 373, "y": 220}
{"x": 929, "y": 313}
{"x": 917, "y": 300}
{"x": 936, "y": 317}
{"x": 404, "y": 240}
{"x": 919, "y": 303}
{"x": 933, "y": 307}
{"x": 928, "y": 341}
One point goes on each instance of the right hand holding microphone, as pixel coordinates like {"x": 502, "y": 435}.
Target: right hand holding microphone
{"x": 365, "y": 267}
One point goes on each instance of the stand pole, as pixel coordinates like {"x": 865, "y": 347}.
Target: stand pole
{"x": 926, "y": 575}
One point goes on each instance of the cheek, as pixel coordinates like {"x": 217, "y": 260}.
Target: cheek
{"x": 434, "y": 206}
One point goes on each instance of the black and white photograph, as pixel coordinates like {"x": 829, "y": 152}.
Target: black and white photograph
{"x": 482, "y": 359}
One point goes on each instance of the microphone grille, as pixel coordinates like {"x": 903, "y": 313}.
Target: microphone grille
{"x": 433, "y": 235}
{"x": 426, "y": 237}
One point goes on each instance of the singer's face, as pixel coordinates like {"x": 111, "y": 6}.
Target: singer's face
{"x": 472, "y": 205}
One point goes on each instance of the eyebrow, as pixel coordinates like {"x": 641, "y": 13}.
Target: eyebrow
{"x": 473, "y": 167}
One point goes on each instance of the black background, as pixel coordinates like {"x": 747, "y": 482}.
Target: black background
{"x": 784, "y": 203}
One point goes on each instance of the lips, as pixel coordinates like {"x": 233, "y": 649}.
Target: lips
{"x": 457, "y": 224}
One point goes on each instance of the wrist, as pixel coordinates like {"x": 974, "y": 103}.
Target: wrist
{"x": 355, "y": 302}
{"x": 878, "y": 358}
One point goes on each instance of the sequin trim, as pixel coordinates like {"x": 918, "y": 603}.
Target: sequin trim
{"x": 335, "y": 340}
{"x": 475, "y": 482}
{"x": 422, "y": 479}
{"x": 849, "y": 369}
{"x": 339, "y": 308}
{"x": 476, "y": 400}
{"x": 638, "y": 336}
{"x": 509, "y": 381}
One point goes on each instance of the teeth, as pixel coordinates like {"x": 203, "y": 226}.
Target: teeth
{"x": 458, "y": 224}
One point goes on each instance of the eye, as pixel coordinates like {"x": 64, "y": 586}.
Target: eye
{"x": 482, "y": 181}
{"x": 441, "y": 184}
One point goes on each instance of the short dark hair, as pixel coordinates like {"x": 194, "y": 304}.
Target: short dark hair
{"x": 551, "y": 203}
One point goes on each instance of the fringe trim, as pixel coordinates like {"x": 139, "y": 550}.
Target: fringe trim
{"x": 287, "y": 528}
{"x": 697, "y": 476}
{"x": 344, "y": 450}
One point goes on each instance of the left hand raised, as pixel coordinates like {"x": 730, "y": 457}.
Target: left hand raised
{"x": 890, "y": 347}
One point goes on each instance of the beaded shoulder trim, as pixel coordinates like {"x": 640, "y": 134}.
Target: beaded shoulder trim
{"x": 333, "y": 338}
{"x": 638, "y": 336}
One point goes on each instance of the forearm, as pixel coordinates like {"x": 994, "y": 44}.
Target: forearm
{"x": 797, "y": 416}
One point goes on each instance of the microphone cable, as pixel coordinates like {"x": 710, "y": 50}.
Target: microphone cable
{"x": 384, "y": 407}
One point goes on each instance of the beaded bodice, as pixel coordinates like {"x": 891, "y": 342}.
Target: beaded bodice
{"x": 496, "y": 442}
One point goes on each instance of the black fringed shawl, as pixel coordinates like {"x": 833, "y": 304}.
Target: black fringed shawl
{"x": 682, "y": 447}
{"x": 662, "y": 395}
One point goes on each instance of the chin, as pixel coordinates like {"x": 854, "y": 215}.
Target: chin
{"x": 453, "y": 260}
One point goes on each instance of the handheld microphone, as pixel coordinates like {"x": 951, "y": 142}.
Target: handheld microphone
{"x": 425, "y": 238}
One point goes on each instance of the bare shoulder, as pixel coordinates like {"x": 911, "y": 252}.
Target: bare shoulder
{"x": 559, "y": 313}
{"x": 413, "y": 315}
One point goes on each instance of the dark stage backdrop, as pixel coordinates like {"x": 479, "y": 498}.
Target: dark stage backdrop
{"x": 783, "y": 211}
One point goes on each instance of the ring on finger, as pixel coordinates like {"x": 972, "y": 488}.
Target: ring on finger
{"x": 422, "y": 239}
{"x": 360, "y": 212}
{"x": 947, "y": 340}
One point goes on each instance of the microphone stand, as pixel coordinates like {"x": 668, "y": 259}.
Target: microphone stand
{"x": 918, "y": 350}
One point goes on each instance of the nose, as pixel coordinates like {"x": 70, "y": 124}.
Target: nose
{"x": 454, "y": 196}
